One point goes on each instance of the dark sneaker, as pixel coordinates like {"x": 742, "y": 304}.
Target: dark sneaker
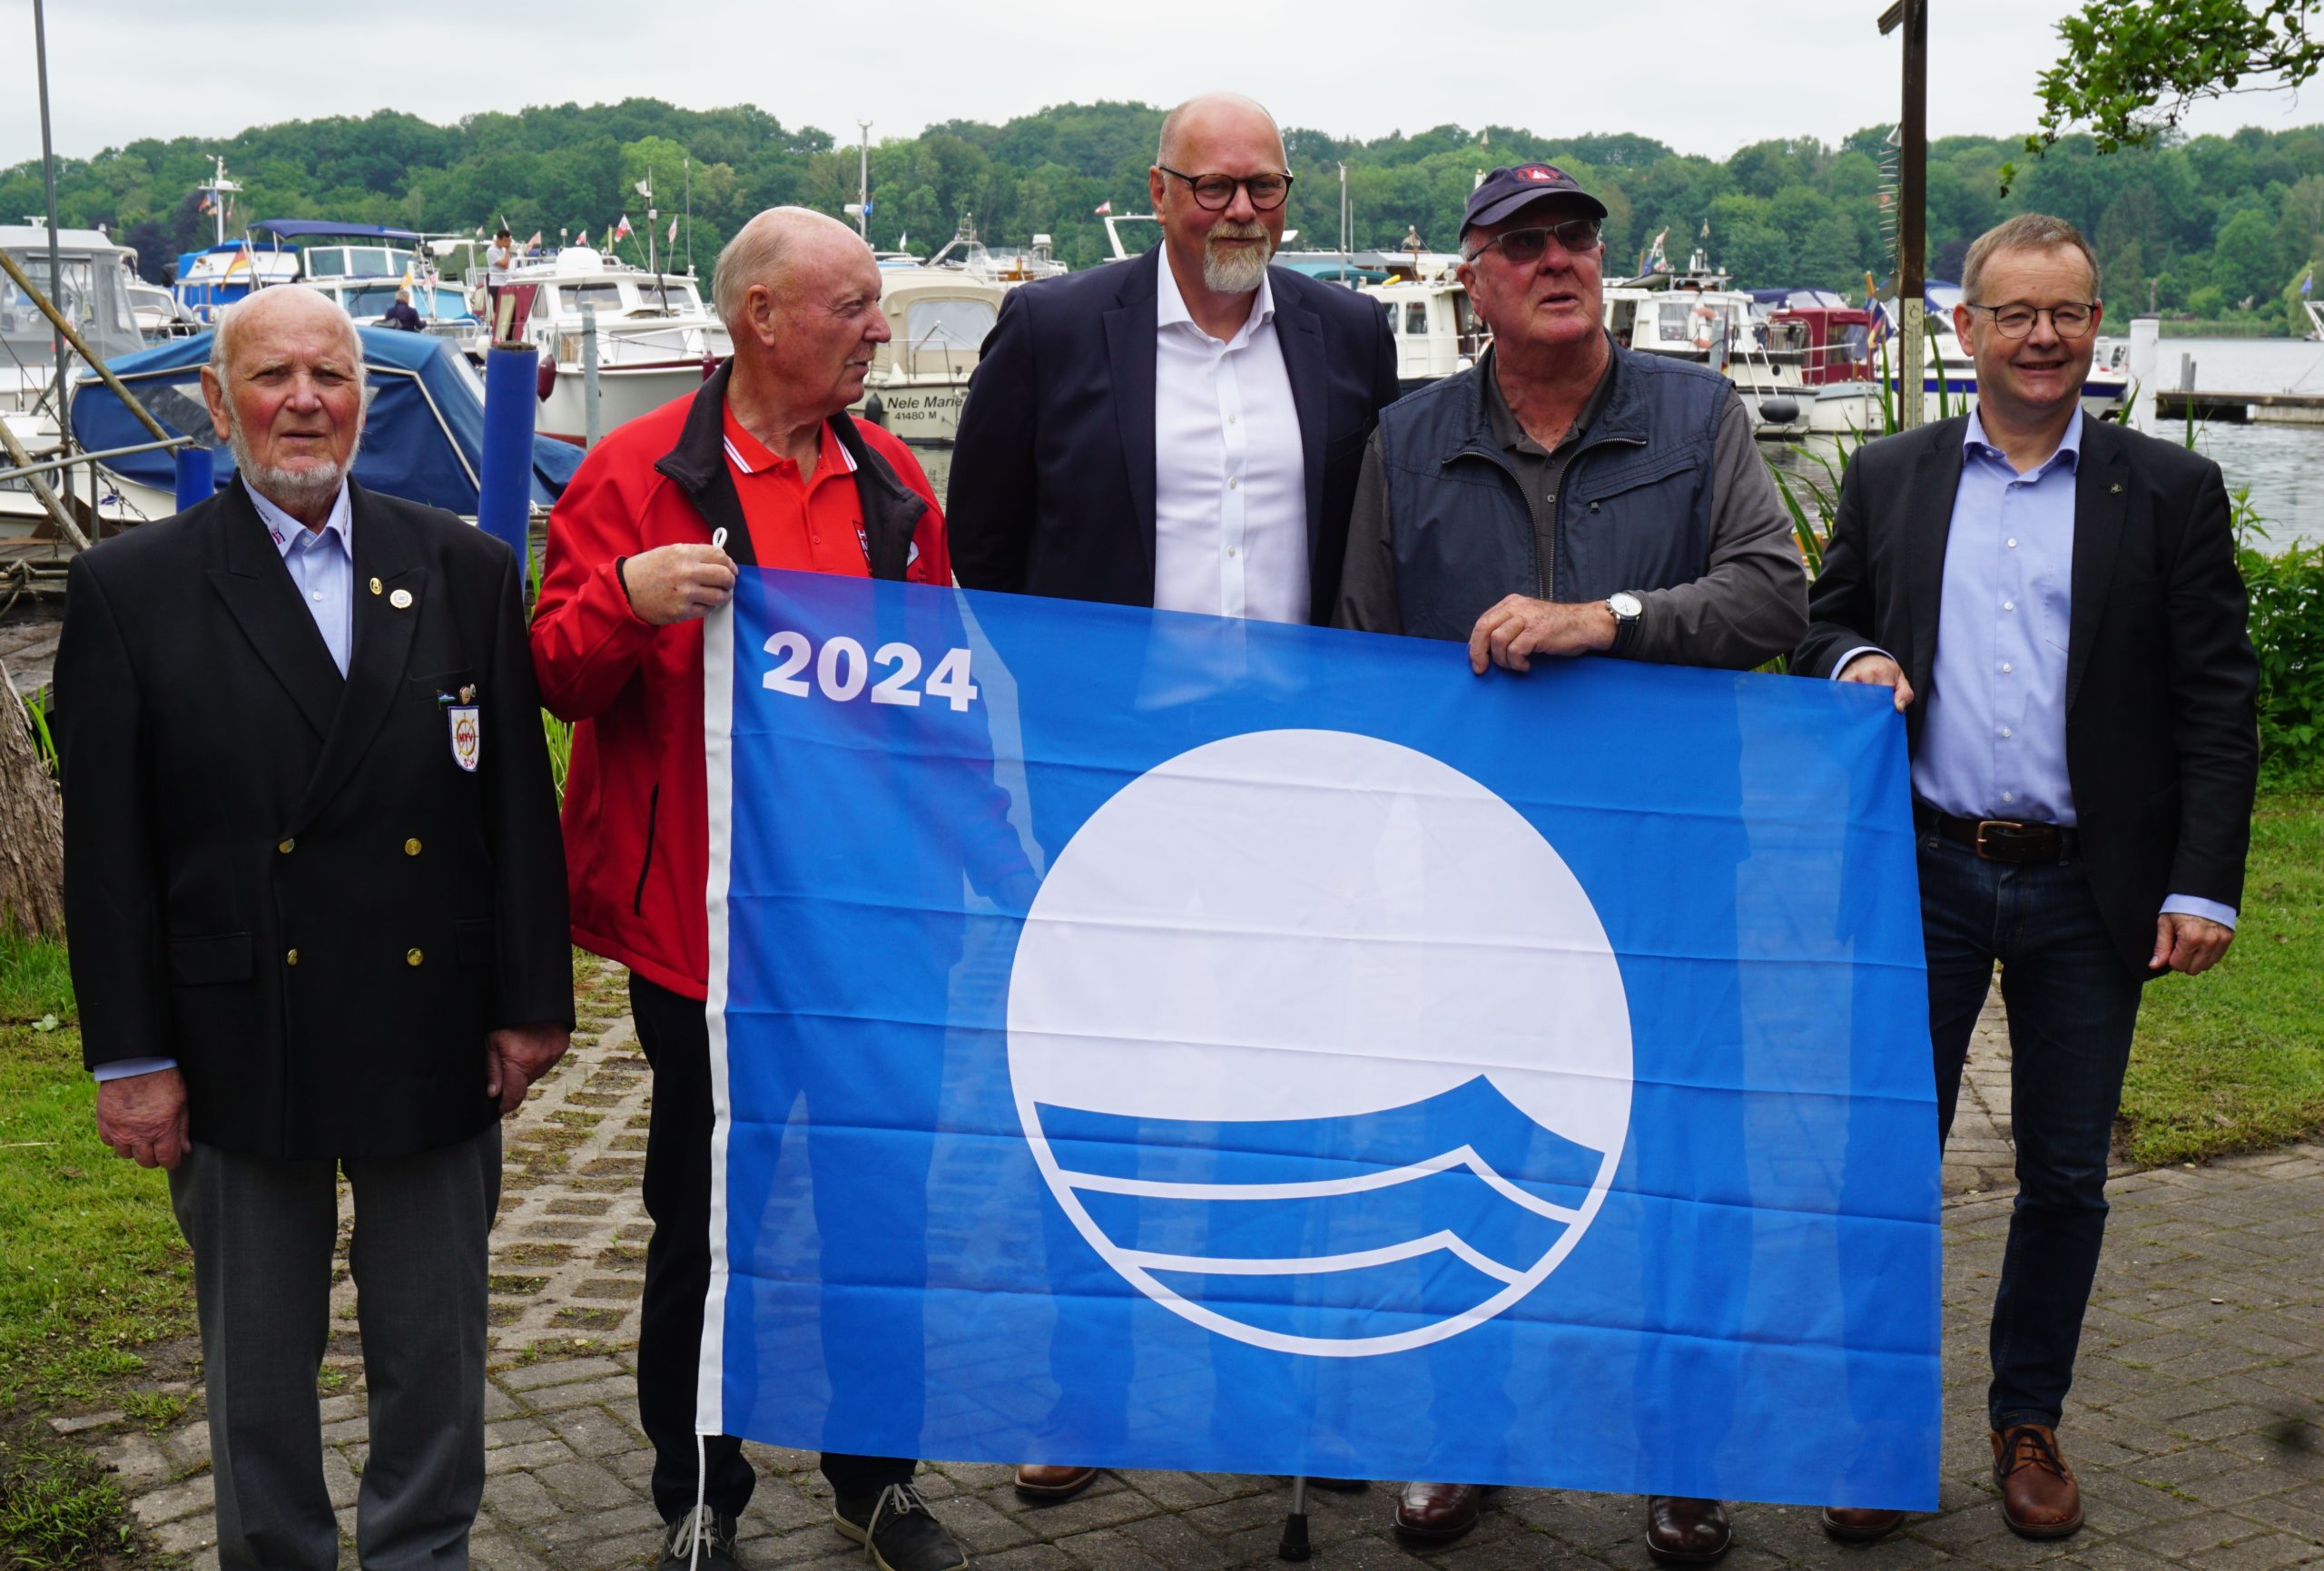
{"x": 898, "y": 1531}
{"x": 701, "y": 1540}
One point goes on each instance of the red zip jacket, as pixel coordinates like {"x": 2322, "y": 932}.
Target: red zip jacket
{"x": 637, "y": 830}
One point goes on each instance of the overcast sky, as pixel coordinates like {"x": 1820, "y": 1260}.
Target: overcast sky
{"x": 1706, "y": 76}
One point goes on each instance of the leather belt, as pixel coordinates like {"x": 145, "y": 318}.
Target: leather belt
{"x": 2000, "y": 839}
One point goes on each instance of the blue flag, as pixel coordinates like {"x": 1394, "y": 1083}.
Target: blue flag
{"x": 1159, "y": 1041}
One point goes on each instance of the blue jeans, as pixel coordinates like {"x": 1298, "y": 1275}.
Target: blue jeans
{"x": 2072, "y": 1004}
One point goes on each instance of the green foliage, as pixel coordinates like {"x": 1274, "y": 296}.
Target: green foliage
{"x": 2132, "y": 68}
{"x": 2287, "y": 591}
{"x": 2241, "y": 216}
{"x": 44, "y": 739}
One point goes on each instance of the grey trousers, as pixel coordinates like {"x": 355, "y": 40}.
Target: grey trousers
{"x": 262, "y": 1232}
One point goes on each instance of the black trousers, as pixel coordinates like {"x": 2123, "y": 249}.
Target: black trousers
{"x": 675, "y": 1037}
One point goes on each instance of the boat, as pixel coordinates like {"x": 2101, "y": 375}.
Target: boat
{"x": 90, "y": 286}
{"x": 1008, "y": 266}
{"x": 363, "y": 267}
{"x": 655, "y": 339}
{"x": 1435, "y": 326}
{"x": 938, "y": 318}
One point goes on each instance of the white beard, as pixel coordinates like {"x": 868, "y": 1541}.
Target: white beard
{"x": 1236, "y": 273}
{"x": 287, "y": 489}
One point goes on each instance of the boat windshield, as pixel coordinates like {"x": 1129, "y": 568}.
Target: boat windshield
{"x": 92, "y": 298}
{"x": 356, "y": 261}
{"x": 373, "y": 301}
{"x": 605, "y": 297}
{"x": 957, "y": 324}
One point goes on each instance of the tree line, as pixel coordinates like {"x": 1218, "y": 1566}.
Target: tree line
{"x": 2214, "y": 227}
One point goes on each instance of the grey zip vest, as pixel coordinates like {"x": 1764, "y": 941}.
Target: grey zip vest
{"x": 1633, "y": 511}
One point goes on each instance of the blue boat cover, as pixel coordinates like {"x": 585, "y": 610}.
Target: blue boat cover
{"x": 426, "y": 413}
{"x": 288, "y": 228}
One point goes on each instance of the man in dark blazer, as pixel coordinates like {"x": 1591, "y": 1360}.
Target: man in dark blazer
{"x": 317, "y": 903}
{"x": 1182, "y": 430}
{"x": 2056, "y": 605}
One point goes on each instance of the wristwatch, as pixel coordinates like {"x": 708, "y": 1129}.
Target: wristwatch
{"x": 1627, "y": 608}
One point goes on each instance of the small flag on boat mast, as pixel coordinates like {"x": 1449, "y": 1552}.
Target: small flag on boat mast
{"x": 672, "y": 238}
{"x": 622, "y": 231}
{"x": 1103, "y": 208}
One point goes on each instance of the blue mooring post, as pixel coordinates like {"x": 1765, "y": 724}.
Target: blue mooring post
{"x": 505, "y": 497}
{"x": 197, "y": 475}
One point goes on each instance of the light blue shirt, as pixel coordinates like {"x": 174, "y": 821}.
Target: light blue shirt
{"x": 322, "y": 565}
{"x": 1994, "y": 724}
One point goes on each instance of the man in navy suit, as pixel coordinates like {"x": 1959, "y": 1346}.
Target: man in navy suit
{"x": 1182, "y": 430}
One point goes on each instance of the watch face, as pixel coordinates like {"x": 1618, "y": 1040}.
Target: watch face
{"x": 1624, "y": 604}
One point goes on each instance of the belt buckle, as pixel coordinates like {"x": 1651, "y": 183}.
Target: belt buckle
{"x": 2009, "y": 827}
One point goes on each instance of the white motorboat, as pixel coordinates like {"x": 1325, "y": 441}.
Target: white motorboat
{"x": 1437, "y": 329}
{"x": 90, "y": 286}
{"x": 655, "y": 339}
{"x": 938, "y": 318}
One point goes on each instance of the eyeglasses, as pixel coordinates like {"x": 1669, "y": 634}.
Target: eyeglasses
{"x": 2015, "y": 321}
{"x": 1216, "y": 192}
{"x": 1524, "y": 247}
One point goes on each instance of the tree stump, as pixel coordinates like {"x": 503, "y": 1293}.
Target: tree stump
{"x": 32, "y": 829}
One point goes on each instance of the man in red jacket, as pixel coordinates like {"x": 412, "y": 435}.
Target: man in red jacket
{"x": 764, "y": 459}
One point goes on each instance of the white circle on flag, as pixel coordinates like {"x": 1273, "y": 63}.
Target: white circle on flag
{"x": 1256, "y": 996}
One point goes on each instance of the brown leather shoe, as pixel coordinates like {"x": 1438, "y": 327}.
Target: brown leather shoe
{"x": 1042, "y": 1481}
{"x": 1438, "y": 1513}
{"x": 1686, "y": 1531}
{"x": 1851, "y": 1524}
{"x": 2039, "y": 1498}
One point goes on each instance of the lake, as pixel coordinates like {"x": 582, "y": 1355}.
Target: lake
{"x": 2282, "y": 464}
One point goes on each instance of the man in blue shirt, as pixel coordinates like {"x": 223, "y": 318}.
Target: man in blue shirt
{"x": 2056, "y": 605}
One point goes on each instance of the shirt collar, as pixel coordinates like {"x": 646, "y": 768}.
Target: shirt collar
{"x": 1170, "y": 305}
{"x": 1512, "y": 436}
{"x": 1974, "y": 441}
{"x": 752, "y": 457}
{"x": 287, "y": 531}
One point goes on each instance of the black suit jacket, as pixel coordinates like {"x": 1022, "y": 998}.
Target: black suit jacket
{"x": 2163, "y": 747}
{"x": 284, "y": 880}
{"x": 1052, "y": 487}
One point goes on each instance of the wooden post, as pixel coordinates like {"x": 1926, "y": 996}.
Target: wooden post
{"x": 1912, "y": 209}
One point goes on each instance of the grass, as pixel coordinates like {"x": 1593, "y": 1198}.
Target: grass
{"x": 2234, "y": 1060}
{"x": 92, "y": 1270}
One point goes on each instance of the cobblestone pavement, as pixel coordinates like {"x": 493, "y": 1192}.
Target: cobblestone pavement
{"x": 2197, "y": 1423}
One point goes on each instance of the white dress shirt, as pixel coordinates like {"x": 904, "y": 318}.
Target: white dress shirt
{"x": 1230, "y": 481}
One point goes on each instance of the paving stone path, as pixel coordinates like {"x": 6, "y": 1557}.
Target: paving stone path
{"x": 2197, "y": 1423}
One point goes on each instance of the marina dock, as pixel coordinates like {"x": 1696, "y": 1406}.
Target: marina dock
{"x": 2241, "y": 409}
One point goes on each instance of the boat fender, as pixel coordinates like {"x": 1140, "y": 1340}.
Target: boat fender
{"x": 545, "y": 379}
{"x": 1779, "y": 411}
{"x": 875, "y": 413}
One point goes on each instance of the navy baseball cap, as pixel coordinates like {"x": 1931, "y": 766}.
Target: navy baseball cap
{"x": 1507, "y": 190}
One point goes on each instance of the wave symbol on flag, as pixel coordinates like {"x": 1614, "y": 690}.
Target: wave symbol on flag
{"x": 1320, "y": 1045}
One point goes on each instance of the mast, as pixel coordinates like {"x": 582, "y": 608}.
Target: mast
{"x": 55, "y": 267}
{"x": 1912, "y": 209}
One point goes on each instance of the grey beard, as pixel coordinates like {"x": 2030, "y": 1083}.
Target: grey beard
{"x": 285, "y": 489}
{"x": 1237, "y": 274}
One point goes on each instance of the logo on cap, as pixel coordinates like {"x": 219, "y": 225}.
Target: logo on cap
{"x": 1542, "y": 171}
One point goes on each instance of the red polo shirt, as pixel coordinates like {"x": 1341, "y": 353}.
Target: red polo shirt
{"x": 812, "y": 528}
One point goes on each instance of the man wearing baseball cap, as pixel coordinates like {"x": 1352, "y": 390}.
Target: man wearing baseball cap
{"x": 1566, "y": 496}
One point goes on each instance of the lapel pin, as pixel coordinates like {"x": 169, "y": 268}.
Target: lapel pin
{"x": 375, "y": 587}
{"x": 2116, "y": 488}
{"x": 400, "y": 600}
